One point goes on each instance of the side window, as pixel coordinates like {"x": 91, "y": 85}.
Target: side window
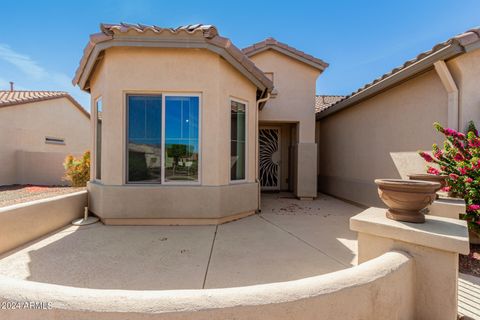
{"x": 237, "y": 140}
{"x": 98, "y": 138}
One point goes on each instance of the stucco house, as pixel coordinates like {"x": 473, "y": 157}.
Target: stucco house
{"x": 376, "y": 131}
{"x": 37, "y": 130}
{"x": 191, "y": 127}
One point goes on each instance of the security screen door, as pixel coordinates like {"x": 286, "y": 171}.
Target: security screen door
{"x": 269, "y": 144}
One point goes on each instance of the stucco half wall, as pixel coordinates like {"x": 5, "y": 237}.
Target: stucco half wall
{"x": 25, "y": 222}
{"x": 379, "y": 138}
{"x": 385, "y": 282}
{"x": 150, "y": 204}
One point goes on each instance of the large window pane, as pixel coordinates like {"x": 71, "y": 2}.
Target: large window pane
{"x": 237, "y": 145}
{"x": 181, "y": 138}
{"x": 144, "y": 138}
{"x": 98, "y": 143}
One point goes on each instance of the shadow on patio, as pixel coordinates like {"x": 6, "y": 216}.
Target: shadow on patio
{"x": 289, "y": 240}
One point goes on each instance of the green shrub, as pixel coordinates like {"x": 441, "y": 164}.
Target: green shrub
{"x": 77, "y": 170}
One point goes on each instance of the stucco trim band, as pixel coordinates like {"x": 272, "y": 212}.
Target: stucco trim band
{"x": 176, "y": 222}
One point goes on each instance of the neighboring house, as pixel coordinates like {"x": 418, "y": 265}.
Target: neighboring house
{"x": 376, "y": 131}
{"x": 183, "y": 128}
{"x": 37, "y": 130}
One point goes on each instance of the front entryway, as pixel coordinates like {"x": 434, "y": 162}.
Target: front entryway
{"x": 269, "y": 143}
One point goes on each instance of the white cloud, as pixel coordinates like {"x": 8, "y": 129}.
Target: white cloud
{"x": 38, "y": 76}
{"x": 22, "y": 62}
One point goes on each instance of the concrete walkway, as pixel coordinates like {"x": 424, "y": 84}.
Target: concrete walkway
{"x": 469, "y": 296}
{"x": 289, "y": 240}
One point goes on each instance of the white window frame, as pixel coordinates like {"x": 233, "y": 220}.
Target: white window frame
{"x": 230, "y": 139}
{"x": 162, "y": 161}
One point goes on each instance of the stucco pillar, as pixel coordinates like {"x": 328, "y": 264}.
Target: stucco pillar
{"x": 448, "y": 208}
{"x": 306, "y": 170}
{"x": 434, "y": 246}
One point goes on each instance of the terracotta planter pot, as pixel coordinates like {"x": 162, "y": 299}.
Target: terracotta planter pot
{"x": 473, "y": 237}
{"x": 406, "y": 198}
{"x": 430, "y": 177}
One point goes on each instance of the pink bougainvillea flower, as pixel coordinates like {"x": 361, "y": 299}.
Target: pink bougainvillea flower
{"x": 450, "y": 132}
{"x": 453, "y": 176}
{"x": 474, "y": 207}
{"x": 426, "y": 156}
{"x": 432, "y": 170}
{"x": 474, "y": 143}
{"x": 462, "y": 170}
{"x": 438, "y": 154}
{"x": 459, "y": 157}
{"x": 469, "y": 180}
{"x": 447, "y": 189}
{"x": 460, "y": 135}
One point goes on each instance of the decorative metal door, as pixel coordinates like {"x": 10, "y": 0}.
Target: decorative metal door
{"x": 269, "y": 145}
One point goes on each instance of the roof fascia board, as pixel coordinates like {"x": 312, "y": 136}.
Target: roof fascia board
{"x": 395, "y": 79}
{"x": 472, "y": 46}
{"x": 289, "y": 54}
{"x": 170, "y": 43}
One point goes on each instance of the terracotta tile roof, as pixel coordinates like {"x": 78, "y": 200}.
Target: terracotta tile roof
{"x": 208, "y": 30}
{"x": 271, "y": 43}
{"x": 324, "y": 101}
{"x": 16, "y": 97}
{"x": 189, "y": 36}
{"x": 452, "y": 47}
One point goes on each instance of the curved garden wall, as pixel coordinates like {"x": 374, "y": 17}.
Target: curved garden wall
{"x": 377, "y": 289}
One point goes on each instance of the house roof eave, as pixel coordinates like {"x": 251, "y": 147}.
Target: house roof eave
{"x": 395, "y": 79}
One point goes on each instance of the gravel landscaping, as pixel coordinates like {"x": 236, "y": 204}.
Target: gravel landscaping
{"x": 471, "y": 264}
{"x": 14, "y": 194}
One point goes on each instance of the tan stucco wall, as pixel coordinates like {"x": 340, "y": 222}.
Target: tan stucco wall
{"x": 379, "y": 137}
{"x": 153, "y": 70}
{"x": 181, "y": 71}
{"x": 43, "y": 168}
{"x": 24, "y": 128}
{"x": 25, "y": 222}
{"x": 295, "y": 84}
{"x": 465, "y": 70}
{"x": 173, "y": 202}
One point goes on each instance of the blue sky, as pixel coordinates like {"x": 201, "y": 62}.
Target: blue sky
{"x": 41, "y": 42}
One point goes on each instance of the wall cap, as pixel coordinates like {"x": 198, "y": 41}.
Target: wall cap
{"x": 437, "y": 232}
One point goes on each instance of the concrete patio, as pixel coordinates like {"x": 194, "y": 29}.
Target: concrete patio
{"x": 289, "y": 240}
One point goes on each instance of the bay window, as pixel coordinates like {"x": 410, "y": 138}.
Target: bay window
{"x": 162, "y": 138}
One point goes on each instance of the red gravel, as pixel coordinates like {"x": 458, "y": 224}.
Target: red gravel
{"x": 471, "y": 264}
{"x": 15, "y": 194}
